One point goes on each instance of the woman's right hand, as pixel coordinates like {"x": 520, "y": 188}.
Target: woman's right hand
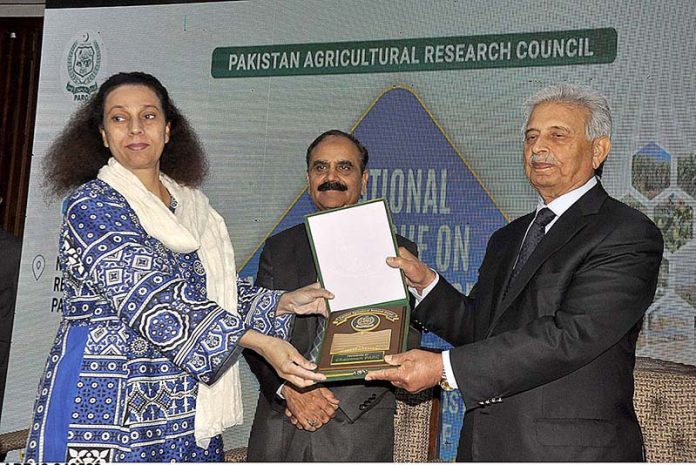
{"x": 305, "y": 300}
{"x": 284, "y": 358}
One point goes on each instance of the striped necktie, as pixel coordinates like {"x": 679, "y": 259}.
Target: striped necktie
{"x": 534, "y": 235}
{"x": 316, "y": 345}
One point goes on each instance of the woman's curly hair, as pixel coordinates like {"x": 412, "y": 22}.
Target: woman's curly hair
{"x": 78, "y": 153}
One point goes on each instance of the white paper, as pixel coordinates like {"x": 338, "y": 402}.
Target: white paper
{"x": 351, "y": 246}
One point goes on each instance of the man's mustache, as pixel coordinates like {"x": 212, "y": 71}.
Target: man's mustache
{"x": 332, "y": 186}
{"x": 539, "y": 158}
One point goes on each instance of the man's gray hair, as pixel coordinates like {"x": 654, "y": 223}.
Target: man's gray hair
{"x": 599, "y": 122}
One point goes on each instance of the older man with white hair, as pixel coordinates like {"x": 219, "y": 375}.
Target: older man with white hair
{"x": 545, "y": 341}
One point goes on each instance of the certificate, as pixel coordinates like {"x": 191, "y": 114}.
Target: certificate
{"x": 369, "y": 314}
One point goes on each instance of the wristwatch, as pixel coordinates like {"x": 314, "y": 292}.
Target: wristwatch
{"x": 444, "y": 384}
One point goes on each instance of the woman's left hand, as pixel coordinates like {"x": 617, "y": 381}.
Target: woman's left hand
{"x": 308, "y": 299}
{"x": 283, "y": 357}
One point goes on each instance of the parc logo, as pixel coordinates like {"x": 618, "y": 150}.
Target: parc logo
{"x": 82, "y": 61}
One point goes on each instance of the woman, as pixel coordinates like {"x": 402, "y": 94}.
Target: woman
{"x": 152, "y": 312}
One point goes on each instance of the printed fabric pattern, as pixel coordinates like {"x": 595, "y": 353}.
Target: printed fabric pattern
{"x": 136, "y": 337}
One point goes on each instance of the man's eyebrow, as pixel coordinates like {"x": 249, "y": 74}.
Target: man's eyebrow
{"x": 338, "y": 162}
{"x": 556, "y": 127}
{"x": 562, "y": 128}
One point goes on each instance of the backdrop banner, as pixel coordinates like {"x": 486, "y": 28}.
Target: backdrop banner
{"x": 434, "y": 89}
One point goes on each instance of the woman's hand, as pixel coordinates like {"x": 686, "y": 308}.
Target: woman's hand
{"x": 284, "y": 358}
{"x": 308, "y": 299}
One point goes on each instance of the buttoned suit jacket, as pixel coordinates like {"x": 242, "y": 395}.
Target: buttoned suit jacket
{"x": 546, "y": 369}
{"x": 287, "y": 263}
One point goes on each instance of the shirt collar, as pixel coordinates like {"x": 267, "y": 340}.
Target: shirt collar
{"x": 561, "y": 204}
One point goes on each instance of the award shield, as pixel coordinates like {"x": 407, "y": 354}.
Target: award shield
{"x": 369, "y": 315}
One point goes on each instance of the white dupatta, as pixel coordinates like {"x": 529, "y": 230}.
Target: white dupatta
{"x": 196, "y": 226}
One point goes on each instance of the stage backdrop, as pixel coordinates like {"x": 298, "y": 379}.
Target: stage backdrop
{"x": 433, "y": 88}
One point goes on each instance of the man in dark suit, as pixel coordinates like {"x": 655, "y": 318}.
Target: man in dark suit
{"x": 545, "y": 342}
{"x": 346, "y": 421}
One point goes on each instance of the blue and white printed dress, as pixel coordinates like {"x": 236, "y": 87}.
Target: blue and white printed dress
{"x": 137, "y": 336}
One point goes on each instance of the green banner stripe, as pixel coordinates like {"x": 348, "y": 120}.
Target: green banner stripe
{"x": 552, "y": 48}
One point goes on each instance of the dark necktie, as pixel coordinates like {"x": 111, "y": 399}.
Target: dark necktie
{"x": 534, "y": 235}
{"x": 316, "y": 344}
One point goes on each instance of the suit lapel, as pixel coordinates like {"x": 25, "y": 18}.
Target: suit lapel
{"x": 506, "y": 262}
{"x": 304, "y": 273}
{"x": 571, "y": 223}
{"x": 304, "y": 260}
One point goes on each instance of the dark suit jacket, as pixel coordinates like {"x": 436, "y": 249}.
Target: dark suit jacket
{"x": 286, "y": 263}
{"x": 546, "y": 373}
